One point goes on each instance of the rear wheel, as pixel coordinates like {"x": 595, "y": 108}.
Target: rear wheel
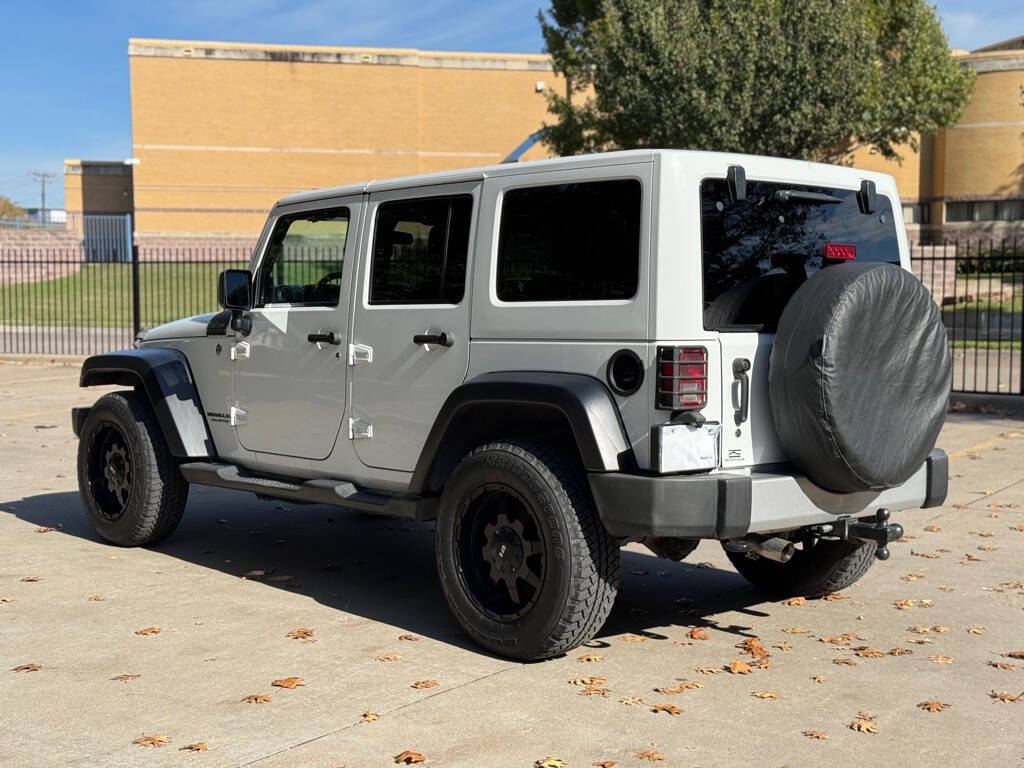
{"x": 525, "y": 564}
{"x": 132, "y": 490}
{"x": 820, "y": 568}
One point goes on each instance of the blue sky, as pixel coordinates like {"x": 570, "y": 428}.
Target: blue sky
{"x": 64, "y": 64}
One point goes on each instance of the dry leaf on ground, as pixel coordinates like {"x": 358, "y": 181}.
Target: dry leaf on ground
{"x": 784, "y": 647}
{"x": 549, "y": 762}
{"x": 835, "y": 596}
{"x": 256, "y": 698}
{"x": 739, "y": 668}
{"x": 425, "y": 684}
{"x": 632, "y": 638}
{"x": 30, "y": 579}
{"x": 941, "y": 659}
{"x": 650, "y": 755}
{"x": 816, "y": 735}
{"x": 769, "y": 695}
{"x": 43, "y": 529}
{"x": 754, "y": 647}
{"x": 863, "y": 726}
{"x": 148, "y": 631}
{"x": 845, "y": 662}
{"x": 96, "y": 598}
{"x": 631, "y": 701}
{"x": 940, "y": 629}
{"x": 900, "y": 652}
{"x": 818, "y": 678}
{"x": 588, "y": 658}
{"x": 603, "y": 764}
{"x": 684, "y": 685}
{"x": 697, "y": 633}
{"x": 151, "y": 741}
{"x": 672, "y": 709}
{"x": 198, "y": 746}
{"x": 1006, "y": 697}
{"x": 389, "y": 657}
{"x": 369, "y": 716}
{"x": 869, "y": 653}
{"x": 593, "y": 680}
{"x": 594, "y": 690}
{"x": 796, "y": 630}
{"x": 796, "y": 601}
{"x": 125, "y": 678}
{"x": 932, "y": 705}
{"x": 975, "y": 630}
{"x": 1004, "y": 665}
{"x": 409, "y": 638}
{"x": 26, "y": 668}
{"x": 409, "y": 757}
{"x": 1014, "y": 654}
{"x": 288, "y": 682}
{"x": 707, "y": 670}
{"x": 301, "y": 633}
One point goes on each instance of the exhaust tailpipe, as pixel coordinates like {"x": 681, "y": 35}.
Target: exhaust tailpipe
{"x": 779, "y": 550}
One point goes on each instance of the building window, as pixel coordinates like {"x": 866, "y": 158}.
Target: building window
{"x": 917, "y": 213}
{"x": 985, "y": 210}
{"x": 570, "y": 242}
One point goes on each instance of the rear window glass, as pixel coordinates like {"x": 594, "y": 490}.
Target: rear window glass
{"x": 570, "y": 242}
{"x": 758, "y": 251}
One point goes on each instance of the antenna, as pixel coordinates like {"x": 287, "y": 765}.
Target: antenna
{"x": 42, "y": 177}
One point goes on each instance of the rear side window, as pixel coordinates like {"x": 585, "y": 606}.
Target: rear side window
{"x": 570, "y": 242}
{"x": 419, "y": 251}
{"x": 758, "y": 251}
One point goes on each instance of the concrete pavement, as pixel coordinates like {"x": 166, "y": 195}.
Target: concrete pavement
{"x": 366, "y": 586}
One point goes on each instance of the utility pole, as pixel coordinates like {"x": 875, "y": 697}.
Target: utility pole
{"x": 42, "y": 177}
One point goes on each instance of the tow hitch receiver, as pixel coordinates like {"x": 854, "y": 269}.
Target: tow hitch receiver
{"x": 878, "y": 530}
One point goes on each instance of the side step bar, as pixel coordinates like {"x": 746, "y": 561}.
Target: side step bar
{"x": 337, "y": 493}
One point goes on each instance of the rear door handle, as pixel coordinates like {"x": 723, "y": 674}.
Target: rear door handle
{"x": 740, "y": 366}
{"x": 443, "y": 339}
{"x": 324, "y": 338}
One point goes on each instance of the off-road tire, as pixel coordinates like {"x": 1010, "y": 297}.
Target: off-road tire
{"x": 158, "y": 491}
{"x": 582, "y": 560}
{"x": 826, "y": 567}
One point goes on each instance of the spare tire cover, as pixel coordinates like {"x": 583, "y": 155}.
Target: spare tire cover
{"x": 860, "y": 376}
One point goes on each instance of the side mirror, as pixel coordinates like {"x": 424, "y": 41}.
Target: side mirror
{"x": 234, "y": 289}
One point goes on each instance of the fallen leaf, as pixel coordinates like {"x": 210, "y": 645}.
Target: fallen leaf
{"x": 1014, "y": 655}
{"x": 839, "y": 640}
{"x": 369, "y": 716}
{"x": 594, "y": 680}
{"x": 932, "y": 528}
{"x": 603, "y": 764}
{"x": 148, "y": 631}
{"x": 863, "y": 726}
{"x": 816, "y": 735}
{"x": 389, "y": 657}
{"x": 425, "y": 684}
{"x": 96, "y": 598}
{"x": 796, "y": 630}
{"x": 697, "y": 633}
{"x": 1005, "y": 697}
{"x": 708, "y": 670}
{"x": 631, "y": 638}
{"x": 784, "y": 647}
{"x": 672, "y": 709}
{"x": 1004, "y": 665}
{"x": 125, "y": 678}
{"x": 940, "y": 629}
{"x": 26, "y": 668}
{"x": 900, "y": 652}
{"x": 302, "y": 633}
{"x": 684, "y": 685}
{"x": 6, "y": 599}
{"x": 818, "y": 678}
{"x": 941, "y": 659}
{"x": 651, "y": 755}
{"x": 869, "y": 653}
{"x": 975, "y": 630}
{"x": 834, "y": 596}
{"x": 288, "y": 682}
{"x": 151, "y": 741}
{"x": 769, "y": 695}
{"x": 845, "y": 662}
{"x": 30, "y": 579}
{"x": 631, "y": 701}
{"x": 796, "y": 601}
{"x": 594, "y": 690}
{"x": 932, "y": 705}
{"x": 409, "y": 638}
{"x": 925, "y": 555}
{"x": 1018, "y": 528}
{"x": 256, "y": 698}
{"x": 904, "y": 605}
{"x": 754, "y": 647}
{"x": 409, "y": 757}
{"x": 43, "y": 529}
{"x": 589, "y": 658}
{"x": 739, "y": 668}
{"x": 196, "y": 747}
{"x": 913, "y": 577}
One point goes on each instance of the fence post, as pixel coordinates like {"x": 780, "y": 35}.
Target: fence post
{"x": 136, "y": 309}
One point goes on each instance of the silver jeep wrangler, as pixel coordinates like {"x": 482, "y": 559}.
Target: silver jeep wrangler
{"x": 550, "y": 359}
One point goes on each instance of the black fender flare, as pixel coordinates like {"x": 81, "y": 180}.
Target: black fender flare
{"x": 488, "y": 404}
{"x": 165, "y": 377}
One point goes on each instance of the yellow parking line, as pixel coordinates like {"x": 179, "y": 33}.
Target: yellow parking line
{"x": 983, "y": 446}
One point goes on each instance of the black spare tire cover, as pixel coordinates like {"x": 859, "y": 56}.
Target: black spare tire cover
{"x": 860, "y": 376}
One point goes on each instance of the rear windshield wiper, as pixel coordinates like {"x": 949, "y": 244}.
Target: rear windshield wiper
{"x": 800, "y": 196}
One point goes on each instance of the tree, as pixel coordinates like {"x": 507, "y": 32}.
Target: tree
{"x": 9, "y": 209}
{"x": 813, "y": 80}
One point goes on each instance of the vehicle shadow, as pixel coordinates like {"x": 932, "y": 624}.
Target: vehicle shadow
{"x": 383, "y": 568}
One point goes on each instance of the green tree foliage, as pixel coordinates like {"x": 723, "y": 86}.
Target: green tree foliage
{"x": 9, "y": 209}
{"x": 814, "y": 79}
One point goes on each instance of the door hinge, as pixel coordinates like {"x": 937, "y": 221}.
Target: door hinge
{"x": 359, "y": 354}
{"x": 237, "y": 416}
{"x": 240, "y": 351}
{"x": 358, "y": 429}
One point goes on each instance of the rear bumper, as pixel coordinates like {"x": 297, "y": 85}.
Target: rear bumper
{"x": 727, "y": 505}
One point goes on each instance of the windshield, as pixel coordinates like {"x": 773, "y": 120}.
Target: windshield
{"x": 758, "y": 251}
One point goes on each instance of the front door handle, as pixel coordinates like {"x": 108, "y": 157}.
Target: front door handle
{"x": 324, "y": 338}
{"x": 443, "y": 339}
{"x": 740, "y": 366}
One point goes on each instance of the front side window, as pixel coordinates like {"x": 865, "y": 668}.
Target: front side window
{"x": 570, "y": 242}
{"x": 304, "y": 259}
{"x": 756, "y": 252}
{"x": 419, "y": 251}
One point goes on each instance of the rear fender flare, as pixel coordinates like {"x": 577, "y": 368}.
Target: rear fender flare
{"x": 486, "y": 408}
{"x": 164, "y": 375}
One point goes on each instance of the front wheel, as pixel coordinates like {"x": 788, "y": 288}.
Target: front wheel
{"x": 526, "y": 565}
{"x": 820, "y": 568}
{"x": 132, "y": 489}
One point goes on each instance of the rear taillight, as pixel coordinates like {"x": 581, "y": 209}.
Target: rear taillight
{"x": 682, "y": 378}
{"x": 840, "y": 252}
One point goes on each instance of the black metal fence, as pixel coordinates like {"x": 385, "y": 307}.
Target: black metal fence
{"x": 56, "y": 302}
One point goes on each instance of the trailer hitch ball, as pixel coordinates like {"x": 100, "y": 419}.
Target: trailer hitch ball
{"x": 877, "y": 529}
